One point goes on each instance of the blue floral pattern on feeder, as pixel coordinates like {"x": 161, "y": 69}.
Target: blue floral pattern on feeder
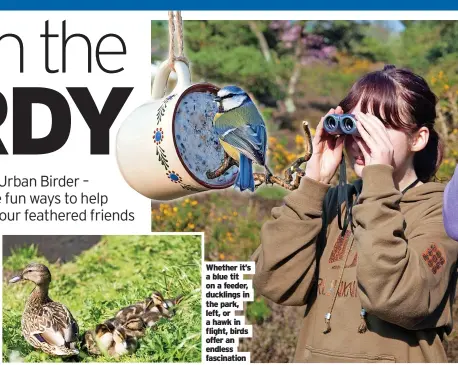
{"x": 158, "y": 136}
{"x": 174, "y": 177}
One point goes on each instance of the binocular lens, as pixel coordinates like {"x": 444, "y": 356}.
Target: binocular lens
{"x": 348, "y": 124}
{"x": 331, "y": 123}
{"x": 340, "y": 124}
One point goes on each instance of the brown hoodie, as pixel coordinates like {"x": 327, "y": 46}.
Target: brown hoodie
{"x": 398, "y": 264}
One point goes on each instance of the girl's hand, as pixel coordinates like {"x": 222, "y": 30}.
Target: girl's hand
{"x": 375, "y": 143}
{"x": 327, "y": 152}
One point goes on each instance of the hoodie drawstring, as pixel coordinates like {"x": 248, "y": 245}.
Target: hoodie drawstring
{"x": 327, "y": 317}
{"x": 363, "y": 325}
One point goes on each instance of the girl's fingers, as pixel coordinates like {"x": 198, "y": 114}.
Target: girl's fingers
{"x": 361, "y": 125}
{"x": 365, "y": 121}
{"x": 331, "y": 111}
{"x": 339, "y": 110}
{"x": 338, "y": 147}
{"x": 319, "y": 131}
{"x": 335, "y": 144}
{"x": 319, "y": 127}
{"x": 375, "y": 128}
{"x": 364, "y": 148}
{"x": 377, "y": 122}
{"x": 378, "y": 126}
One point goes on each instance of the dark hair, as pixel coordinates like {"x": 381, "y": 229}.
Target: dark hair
{"x": 403, "y": 101}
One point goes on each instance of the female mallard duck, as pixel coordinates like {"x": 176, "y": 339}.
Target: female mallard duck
{"x": 46, "y": 325}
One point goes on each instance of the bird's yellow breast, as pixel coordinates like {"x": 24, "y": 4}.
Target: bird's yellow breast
{"x": 217, "y": 115}
{"x": 231, "y": 151}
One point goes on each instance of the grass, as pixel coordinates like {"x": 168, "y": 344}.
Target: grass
{"x": 272, "y": 192}
{"x": 258, "y": 311}
{"x": 118, "y": 271}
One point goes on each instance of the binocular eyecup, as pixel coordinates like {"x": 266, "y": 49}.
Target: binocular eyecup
{"x": 338, "y": 124}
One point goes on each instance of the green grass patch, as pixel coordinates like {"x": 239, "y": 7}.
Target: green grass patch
{"x": 258, "y": 311}
{"x": 118, "y": 271}
{"x": 272, "y": 192}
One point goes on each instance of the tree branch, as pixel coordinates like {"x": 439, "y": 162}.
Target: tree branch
{"x": 261, "y": 40}
{"x": 227, "y": 163}
{"x": 288, "y": 182}
{"x": 260, "y": 178}
{"x": 294, "y": 79}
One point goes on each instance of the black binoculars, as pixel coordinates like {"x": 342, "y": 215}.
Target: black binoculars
{"x": 341, "y": 124}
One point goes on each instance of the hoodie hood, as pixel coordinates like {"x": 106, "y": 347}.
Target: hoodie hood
{"x": 423, "y": 192}
{"x": 417, "y": 194}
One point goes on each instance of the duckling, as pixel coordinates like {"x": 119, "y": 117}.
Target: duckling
{"x": 151, "y": 318}
{"x": 136, "y": 310}
{"x": 46, "y": 325}
{"x": 165, "y": 310}
{"x": 155, "y": 300}
{"x": 89, "y": 342}
{"x": 101, "y": 340}
{"x": 133, "y": 326}
{"x": 104, "y": 333}
{"x": 171, "y": 303}
{"x": 122, "y": 344}
{"x": 101, "y": 337}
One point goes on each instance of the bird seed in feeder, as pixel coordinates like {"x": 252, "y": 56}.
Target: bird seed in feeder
{"x": 196, "y": 139}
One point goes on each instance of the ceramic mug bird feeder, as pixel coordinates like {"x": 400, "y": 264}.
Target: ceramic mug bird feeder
{"x": 166, "y": 146}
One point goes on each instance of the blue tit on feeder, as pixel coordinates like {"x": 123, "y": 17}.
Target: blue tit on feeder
{"x": 242, "y": 133}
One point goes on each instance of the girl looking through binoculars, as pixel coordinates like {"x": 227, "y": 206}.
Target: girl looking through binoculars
{"x": 370, "y": 260}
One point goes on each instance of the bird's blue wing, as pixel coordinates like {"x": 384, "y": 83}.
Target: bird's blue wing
{"x": 244, "y": 129}
{"x": 249, "y": 140}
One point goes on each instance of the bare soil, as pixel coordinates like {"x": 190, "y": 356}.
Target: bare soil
{"x": 54, "y": 248}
